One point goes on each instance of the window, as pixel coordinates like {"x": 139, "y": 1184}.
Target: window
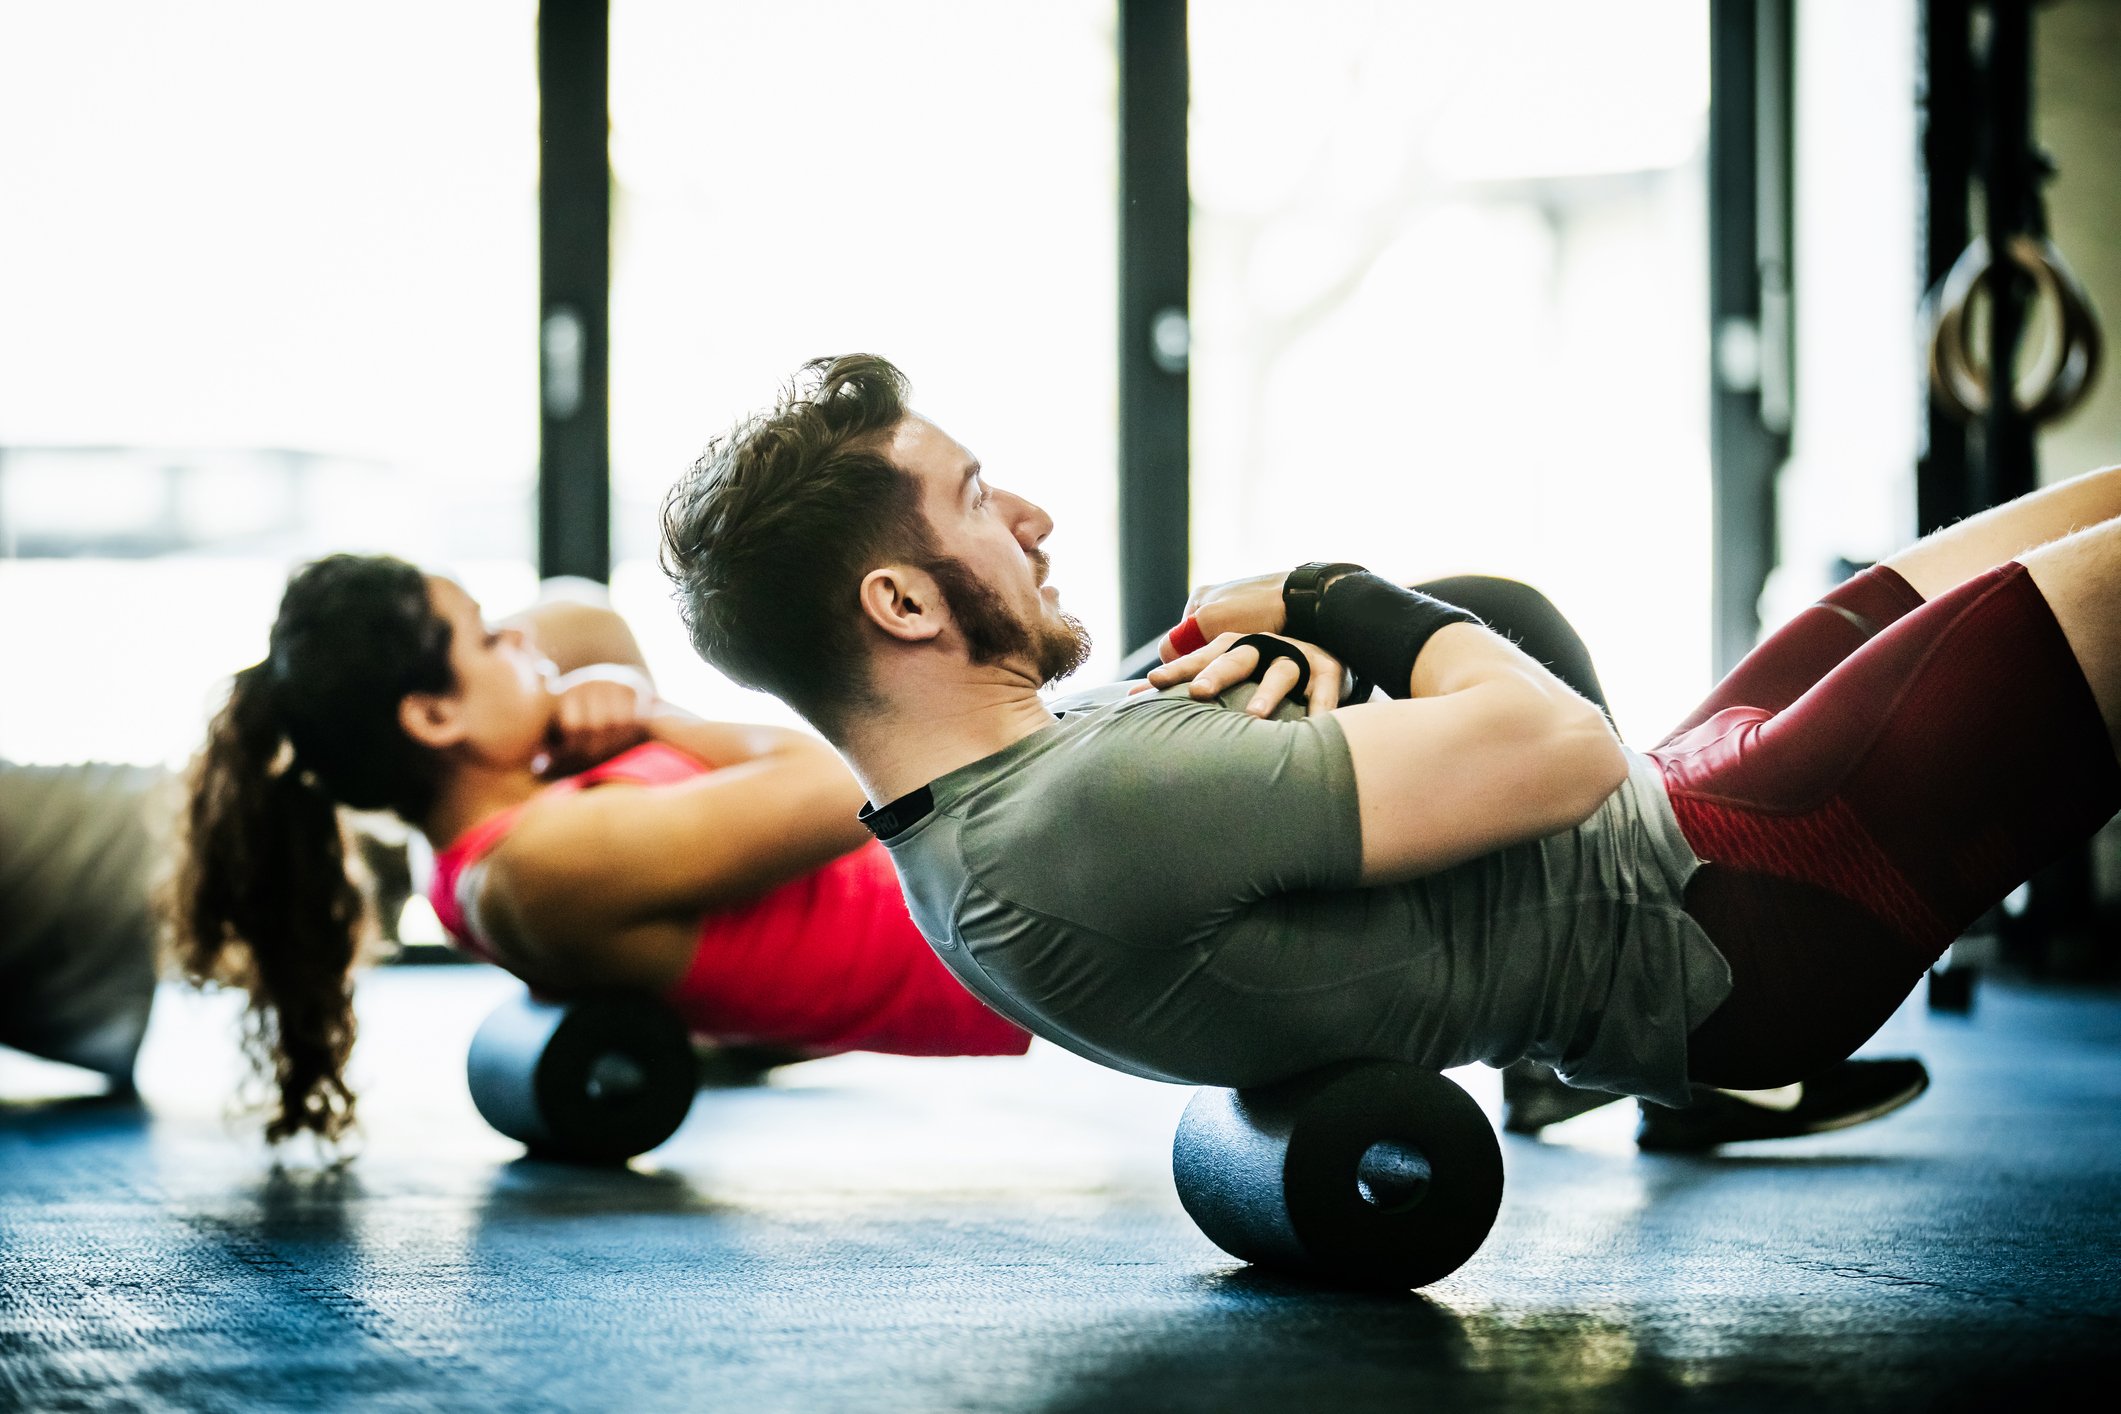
{"x": 268, "y": 283}
{"x": 928, "y": 181}
{"x": 1449, "y": 303}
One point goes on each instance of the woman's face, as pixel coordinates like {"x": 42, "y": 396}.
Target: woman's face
{"x": 503, "y": 701}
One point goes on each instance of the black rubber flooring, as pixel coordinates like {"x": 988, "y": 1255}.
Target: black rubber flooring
{"x": 876, "y": 1234}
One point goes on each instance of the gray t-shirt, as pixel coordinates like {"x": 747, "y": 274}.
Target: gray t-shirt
{"x": 1169, "y": 887}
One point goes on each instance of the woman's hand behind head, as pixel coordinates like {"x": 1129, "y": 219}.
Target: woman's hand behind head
{"x": 598, "y": 712}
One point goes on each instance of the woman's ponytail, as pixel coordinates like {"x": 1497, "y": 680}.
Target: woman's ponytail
{"x": 262, "y": 898}
{"x": 263, "y": 901}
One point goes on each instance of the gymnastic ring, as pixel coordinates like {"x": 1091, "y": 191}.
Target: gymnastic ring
{"x": 2069, "y": 361}
{"x": 1961, "y": 384}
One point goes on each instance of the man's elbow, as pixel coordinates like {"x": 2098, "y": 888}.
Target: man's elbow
{"x": 1572, "y": 762}
{"x": 1575, "y": 758}
{"x": 1592, "y": 760}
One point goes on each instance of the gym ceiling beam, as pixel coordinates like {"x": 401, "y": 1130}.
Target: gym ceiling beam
{"x": 574, "y": 288}
{"x": 1155, "y": 216}
{"x": 1750, "y": 314}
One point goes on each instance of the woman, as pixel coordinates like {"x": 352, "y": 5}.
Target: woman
{"x": 718, "y": 866}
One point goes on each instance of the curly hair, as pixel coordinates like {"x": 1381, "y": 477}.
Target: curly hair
{"x": 262, "y": 897}
{"x": 767, "y": 537}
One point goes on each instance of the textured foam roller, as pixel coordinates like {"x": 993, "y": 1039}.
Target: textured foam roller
{"x": 1375, "y": 1173}
{"x": 592, "y": 1080}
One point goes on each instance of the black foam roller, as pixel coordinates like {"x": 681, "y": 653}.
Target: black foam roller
{"x": 1373, "y": 1173}
{"x": 593, "y": 1080}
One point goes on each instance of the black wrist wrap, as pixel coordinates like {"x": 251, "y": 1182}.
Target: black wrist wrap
{"x": 1378, "y": 629}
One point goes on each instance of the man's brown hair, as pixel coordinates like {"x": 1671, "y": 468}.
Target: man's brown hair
{"x": 768, "y": 536}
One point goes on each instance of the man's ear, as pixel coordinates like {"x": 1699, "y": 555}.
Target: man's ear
{"x": 904, "y": 602}
{"x": 431, "y": 719}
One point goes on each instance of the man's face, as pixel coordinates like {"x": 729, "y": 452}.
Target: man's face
{"x": 988, "y": 559}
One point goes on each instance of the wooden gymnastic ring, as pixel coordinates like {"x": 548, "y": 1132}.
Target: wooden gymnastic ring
{"x": 2069, "y": 361}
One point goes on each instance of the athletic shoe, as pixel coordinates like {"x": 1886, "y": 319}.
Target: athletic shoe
{"x": 1854, "y": 1092}
{"x": 1533, "y": 1097}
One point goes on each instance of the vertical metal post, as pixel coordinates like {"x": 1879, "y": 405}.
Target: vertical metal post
{"x": 2010, "y": 188}
{"x": 574, "y": 288}
{"x": 1977, "y": 109}
{"x": 1155, "y": 220}
{"x": 1750, "y": 310}
{"x": 1944, "y": 483}
{"x": 1774, "y": 204}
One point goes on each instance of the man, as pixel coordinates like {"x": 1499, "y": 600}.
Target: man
{"x": 1533, "y": 1096}
{"x": 1192, "y": 885}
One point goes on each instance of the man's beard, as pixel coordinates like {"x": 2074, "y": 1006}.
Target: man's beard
{"x": 994, "y": 635}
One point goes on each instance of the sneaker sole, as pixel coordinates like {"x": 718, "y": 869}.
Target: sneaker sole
{"x": 1877, "y": 1111}
{"x": 1882, "y": 1108}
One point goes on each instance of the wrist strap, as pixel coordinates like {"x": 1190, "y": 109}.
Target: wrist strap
{"x": 1270, "y": 648}
{"x": 1379, "y": 629}
{"x": 1300, "y": 594}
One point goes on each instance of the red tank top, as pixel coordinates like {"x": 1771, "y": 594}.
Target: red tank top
{"x": 828, "y": 962}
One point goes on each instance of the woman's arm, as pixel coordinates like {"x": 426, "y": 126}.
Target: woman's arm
{"x": 586, "y": 877}
{"x": 603, "y": 689}
{"x": 721, "y": 744}
{"x": 575, "y": 634}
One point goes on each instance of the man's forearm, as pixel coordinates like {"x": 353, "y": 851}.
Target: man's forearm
{"x": 1461, "y": 656}
{"x": 1376, "y": 627}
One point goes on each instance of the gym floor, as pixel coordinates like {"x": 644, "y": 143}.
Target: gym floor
{"x": 873, "y": 1233}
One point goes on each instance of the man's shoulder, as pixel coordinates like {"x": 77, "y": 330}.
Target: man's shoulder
{"x": 1108, "y": 772}
{"x": 1090, "y": 699}
{"x": 1109, "y": 769}
{"x": 1094, "y": 742}
{"x": 1131, "y": 706}
{"x": 1085, "y": 769}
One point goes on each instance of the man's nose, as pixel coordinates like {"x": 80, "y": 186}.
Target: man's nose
{"x": 1032, "y": 523}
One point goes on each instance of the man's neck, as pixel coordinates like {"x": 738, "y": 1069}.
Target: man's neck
{"x": 936, "y": 733}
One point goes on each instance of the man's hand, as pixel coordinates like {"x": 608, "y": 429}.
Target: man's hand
{"x": 599, "y": 711}
{"x": 1241, "y": 606}
{"x": 1221, "y": 665}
